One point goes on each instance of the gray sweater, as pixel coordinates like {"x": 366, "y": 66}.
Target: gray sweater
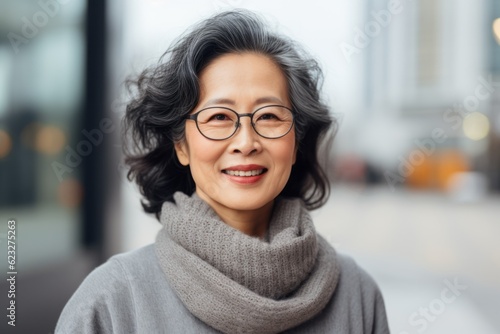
{"x": 130, "y": 294}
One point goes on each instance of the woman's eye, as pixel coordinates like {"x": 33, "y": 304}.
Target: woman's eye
{"x": 219, "y": 117}
{"x": 266, "y": 117}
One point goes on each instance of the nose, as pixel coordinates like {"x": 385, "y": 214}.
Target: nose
{"x": 245, "y": 140}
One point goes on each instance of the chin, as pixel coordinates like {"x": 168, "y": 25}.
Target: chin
{"x": 246, "y": 203}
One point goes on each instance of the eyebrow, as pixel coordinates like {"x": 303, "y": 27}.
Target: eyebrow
{"x": 266, "y": 99}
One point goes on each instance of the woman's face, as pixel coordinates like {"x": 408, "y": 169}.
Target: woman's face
{"x": 243, "y": 82}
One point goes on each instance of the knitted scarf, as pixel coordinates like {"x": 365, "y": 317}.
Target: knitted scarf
{"x": 241, "y": 284}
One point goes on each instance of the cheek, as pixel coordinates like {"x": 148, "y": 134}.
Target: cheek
{"x": 203, "y": 153}
{"x": 284, "y": 154}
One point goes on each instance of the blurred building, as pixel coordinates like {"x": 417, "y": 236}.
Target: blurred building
{"x": 430, "y": 117}
{"x": 53, "y": 175}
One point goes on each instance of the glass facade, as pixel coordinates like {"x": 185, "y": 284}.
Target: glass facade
{"x": 42, "y": 67}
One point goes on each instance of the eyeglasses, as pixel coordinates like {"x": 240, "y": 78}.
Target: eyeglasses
{"x": 219, "y": 123}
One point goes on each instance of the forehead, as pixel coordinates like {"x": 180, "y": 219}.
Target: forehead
{"x": 246, "y": 77}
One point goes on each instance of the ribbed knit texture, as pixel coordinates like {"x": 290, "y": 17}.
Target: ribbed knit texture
{"x": 241, "y": 284}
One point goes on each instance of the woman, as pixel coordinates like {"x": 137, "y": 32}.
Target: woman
{"x": 225, "y": 132}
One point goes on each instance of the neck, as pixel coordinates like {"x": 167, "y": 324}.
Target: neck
{"x": 251, "y": 222}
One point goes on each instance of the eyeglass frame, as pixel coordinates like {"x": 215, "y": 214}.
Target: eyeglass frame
{"x": 194, "y": 117}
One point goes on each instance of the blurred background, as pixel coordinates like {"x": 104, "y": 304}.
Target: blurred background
{"x": 415, "y": 86}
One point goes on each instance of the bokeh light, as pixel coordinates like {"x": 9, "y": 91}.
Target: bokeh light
{"x": 45, "y": 139}
{"x": 476, "y": 126}
{"x": 50, "y": 140}
{"x": 496, "y": 29}
{"x": 5, "y": 144}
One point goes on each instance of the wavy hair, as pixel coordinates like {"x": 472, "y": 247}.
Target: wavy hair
{"x": 165, "y": 93}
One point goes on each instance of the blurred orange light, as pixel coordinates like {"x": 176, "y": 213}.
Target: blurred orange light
{"x": 450, "y": 162}
{"x": 50, "y": 140}
{"x": 5, "y": 144}
{"x": 422, "y": 176}
{"x": 437, "y": 169}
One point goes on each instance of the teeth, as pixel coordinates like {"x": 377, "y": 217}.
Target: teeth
{"x": 244, "y": 173}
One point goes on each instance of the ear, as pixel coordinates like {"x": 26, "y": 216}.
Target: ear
{"x": 182, "y": 152}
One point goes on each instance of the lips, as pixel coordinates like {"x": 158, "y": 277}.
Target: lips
{"x": 244, "y": 173}
{"x": 245, "y": 170}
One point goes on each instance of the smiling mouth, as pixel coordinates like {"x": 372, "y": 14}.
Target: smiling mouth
{"x": 255, "y": 172}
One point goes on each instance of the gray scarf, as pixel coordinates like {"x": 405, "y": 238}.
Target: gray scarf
{"x": 241, "y": 284}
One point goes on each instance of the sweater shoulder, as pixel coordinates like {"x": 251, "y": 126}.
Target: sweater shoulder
{"x": 117, "y": 272}
{"x": 105, "y": 293}
{"x": 359, "y": 290}
{"x": 135, "y": 261}
{"x": 354, "y": 274}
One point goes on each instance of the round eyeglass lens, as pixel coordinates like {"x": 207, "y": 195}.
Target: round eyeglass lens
{"x": 217, "y": 123}
{"x": 273, "y": 121}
